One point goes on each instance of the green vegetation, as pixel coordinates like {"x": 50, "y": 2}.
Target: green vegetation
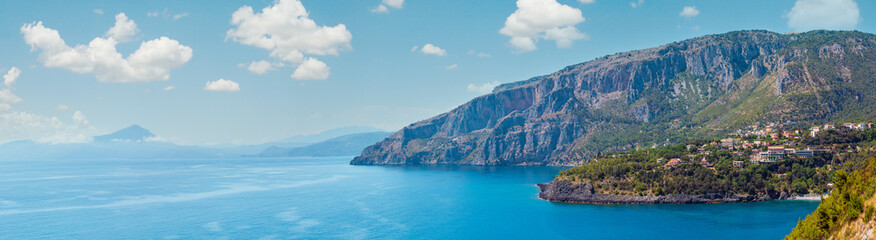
{"x": 846, "y": 204}
{"x": 706, "y": 168}
{"x": 640, "y": 173}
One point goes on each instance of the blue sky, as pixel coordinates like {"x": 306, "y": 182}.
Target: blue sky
{"x": 357, "y": 61}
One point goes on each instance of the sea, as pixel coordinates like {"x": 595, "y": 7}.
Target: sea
{"x": 326, "y": 198}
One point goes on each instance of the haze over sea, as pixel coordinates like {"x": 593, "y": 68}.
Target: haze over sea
{"x": 325, "y": 198}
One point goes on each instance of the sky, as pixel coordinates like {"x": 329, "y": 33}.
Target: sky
{"x": 245, "y": 72}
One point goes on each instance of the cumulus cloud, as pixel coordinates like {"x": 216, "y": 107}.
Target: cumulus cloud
{"x": 11, "y": 76}
{"x": 311, "y": 69}
{"x": 124, "y": 29}
{"x": 824, "y": 14}
{"x": 262, "y": 67}
{"x": 433, "y": 50}
{"x": 222, "y": 85}
{"x": 382, "y": 8}
{"x": 483, "y": 88}
{"x": 542, "y": 19}
{"x": 689, "y": 12}
{"x": 286, "y": 30}
{"x": 151, "y": 62}
{"x": 79, "y": 118}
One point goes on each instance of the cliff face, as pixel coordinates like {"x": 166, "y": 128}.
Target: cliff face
{"x": 698, "y": 87}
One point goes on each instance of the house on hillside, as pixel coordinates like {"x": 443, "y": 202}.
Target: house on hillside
{"x": 814, "y": 131}
{"x": 774, "y": 153}
{"x": 673, "y": 162}
{"x": 729, "y": 142}
{"x": 705, "y": 163}
{"x": 737, "y": 163}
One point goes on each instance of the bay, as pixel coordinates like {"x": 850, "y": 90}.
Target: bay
{"x": 325, "y": 198}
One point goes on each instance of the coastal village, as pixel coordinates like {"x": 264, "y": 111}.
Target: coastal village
{"x": 764, "y": 144}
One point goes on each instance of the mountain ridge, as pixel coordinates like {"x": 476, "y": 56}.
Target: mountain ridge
{"x": 701, "y": 87}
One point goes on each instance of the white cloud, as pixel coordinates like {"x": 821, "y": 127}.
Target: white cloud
{"x": 824, "y": 14}
{"x": 394, "y": 3}
{"x": 222, "y": 85}
{"x": 62, "y": 107}
{"x": 286, "y": 30}
{"x": 124, "y": 29}
{"x": 542, "y": 19}
{"x": 380, "y": 9}
{"x": 22, "y": 125}
{"x": 79, "y": 118}
{"x": 689, "y": 12}
{"x": 11, "y": 76}
{"x": 168, "y": 88}
{"x": 433, "y": 50}
{"x": 587, "y": 1}
{"x": 152, "y": 14}
{"x": 262, "y": 67}
{"x": 637, "y": 4}
{"x": 151, "y": 62}
{"x": 7, "y": 98}
{"x": 483, "y": 88}
{"x": 98, "y": 11}
{"x": 452, "y": 66}
{"x": 179, "y": 15}
{"x": 414, "y": 49}
{"x": 311, "y": 69}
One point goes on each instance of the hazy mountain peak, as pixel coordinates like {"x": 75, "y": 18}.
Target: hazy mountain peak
{"x": 133, "y": 133}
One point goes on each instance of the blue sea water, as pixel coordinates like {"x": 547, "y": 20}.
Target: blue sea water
{"x": 325, "y": 198}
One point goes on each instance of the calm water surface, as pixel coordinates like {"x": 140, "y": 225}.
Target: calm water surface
{"x": 324, "y": 198}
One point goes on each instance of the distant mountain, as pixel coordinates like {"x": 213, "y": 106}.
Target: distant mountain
{"x": 135, "y": 142}
{"x": 328, "y": 134}
{"x": 291, "y": 142}
{"x": 347, "y": 145}
{"x": 133, "y": 133}
{"x": 698, "y": 88}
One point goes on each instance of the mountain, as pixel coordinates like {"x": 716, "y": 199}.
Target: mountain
{"x": 347, "y": 145}
{"x": 140, "y": 143}
{"x": 698, "y": 88}
{"x": 292, "y": 142}
{"x": 133, "y": 133}
{"x": 131, "y": 142}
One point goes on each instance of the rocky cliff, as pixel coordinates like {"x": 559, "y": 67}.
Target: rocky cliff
{"x": 700, "y": 87}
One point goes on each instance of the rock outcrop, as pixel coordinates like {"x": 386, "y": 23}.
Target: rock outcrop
{"x": 702, "y": 87}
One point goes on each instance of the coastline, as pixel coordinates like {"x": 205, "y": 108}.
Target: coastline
{"x": 567, "y": 192}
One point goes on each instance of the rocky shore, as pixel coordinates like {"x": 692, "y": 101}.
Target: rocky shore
{"x": 568, "y": 192}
